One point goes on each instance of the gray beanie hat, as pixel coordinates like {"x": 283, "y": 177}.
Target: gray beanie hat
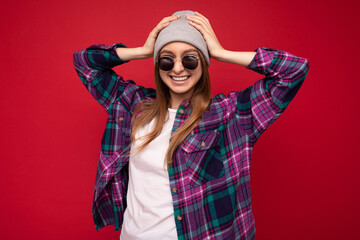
{"x": 181, "y": 31}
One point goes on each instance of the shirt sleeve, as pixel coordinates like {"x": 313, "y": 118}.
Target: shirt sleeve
{"x": 94, "y": 67}
{"x": 258, "y": 106}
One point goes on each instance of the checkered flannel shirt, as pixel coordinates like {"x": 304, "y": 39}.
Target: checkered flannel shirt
{"x": 210, "y": 173}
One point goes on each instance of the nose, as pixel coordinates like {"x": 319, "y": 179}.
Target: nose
{"x": 178, "y": 67}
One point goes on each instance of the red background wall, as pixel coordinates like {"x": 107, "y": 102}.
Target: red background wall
{"x": 305, "y": 167}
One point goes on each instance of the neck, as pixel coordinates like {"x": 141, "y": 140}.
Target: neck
{"x": 177, "y": 99}
{"x": 175, "y": 102}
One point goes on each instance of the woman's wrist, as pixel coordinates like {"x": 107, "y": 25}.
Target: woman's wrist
{"x": 128, "y": 54}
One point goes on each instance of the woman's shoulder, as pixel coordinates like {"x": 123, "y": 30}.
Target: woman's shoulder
{"x": 220, "y": 102}
{"x": 214, "y": 116}
{"x": 220, "y": 109}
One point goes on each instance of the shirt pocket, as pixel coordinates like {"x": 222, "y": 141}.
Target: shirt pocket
{"x": 203, "y": 157}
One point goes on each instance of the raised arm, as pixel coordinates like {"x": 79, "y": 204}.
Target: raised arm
{"x": 260, "y": 105}
{"x": 94, "y": 67}
{"x": 215, "y": 49}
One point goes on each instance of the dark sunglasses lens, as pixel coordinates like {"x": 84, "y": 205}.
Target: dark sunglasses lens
{"x": 190, "y": 62}
{"x": 166, "y": 63}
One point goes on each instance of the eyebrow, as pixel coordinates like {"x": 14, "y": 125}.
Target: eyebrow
{"x": 186, "y": 51}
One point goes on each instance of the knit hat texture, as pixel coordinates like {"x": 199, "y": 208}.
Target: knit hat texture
{"x": 180, "y": 30}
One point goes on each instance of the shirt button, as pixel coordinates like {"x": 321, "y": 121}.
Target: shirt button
{"x": 121, "y": 119}
{"x": 202, "y": 143}
{"x": 179, "y": 217}
{"x": 181, "y": 111}
{"x": 174, "y": 189}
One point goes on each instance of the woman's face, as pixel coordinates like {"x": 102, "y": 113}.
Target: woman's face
{"x": 180, "y": 81}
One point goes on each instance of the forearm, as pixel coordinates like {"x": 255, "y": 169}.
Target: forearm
{"x": 241, "y": 58}
{"x": 261, "y": 104}
{"x": 95, "y": 60}
{"x": 128, "y": 54}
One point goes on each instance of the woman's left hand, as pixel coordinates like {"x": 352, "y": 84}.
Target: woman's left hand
{"x": 202, "y": 24}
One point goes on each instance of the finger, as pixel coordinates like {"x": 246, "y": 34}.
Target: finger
{"x": 206, "y": 20}
{"x": 202, "y": 16}
{"x": 199, "y": 14}
{"x": 201, "y": 24}
{"x": 170, "y": 18}
{"x": 164, "y": 23}
{"x": 201, "y": 19}
{"x": 201, "y": 28}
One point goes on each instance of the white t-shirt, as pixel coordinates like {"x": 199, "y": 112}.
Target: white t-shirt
{"x": 150, "y": 214}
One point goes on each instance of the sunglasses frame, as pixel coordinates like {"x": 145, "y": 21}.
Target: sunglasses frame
{"x": 182, "y": 62}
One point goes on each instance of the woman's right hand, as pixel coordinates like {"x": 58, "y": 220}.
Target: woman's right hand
{"x": 147, "y": 50}
{"x": 148, "y": 47}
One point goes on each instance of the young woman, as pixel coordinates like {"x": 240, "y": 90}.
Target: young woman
{"x": 174, "y": 162}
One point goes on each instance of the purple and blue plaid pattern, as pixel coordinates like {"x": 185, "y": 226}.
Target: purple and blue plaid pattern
{"x": 210, "y": 173}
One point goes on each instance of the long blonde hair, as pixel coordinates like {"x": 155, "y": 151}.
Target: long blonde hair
{"x": 145, "y": 111}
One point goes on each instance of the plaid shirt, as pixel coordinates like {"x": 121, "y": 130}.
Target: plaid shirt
{"x": 210, "y": 173}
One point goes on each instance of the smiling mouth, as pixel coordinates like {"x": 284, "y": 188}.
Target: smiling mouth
{"x": 179, "y": 78}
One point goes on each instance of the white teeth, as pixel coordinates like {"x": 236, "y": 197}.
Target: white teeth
{"x": 180, "y": 78}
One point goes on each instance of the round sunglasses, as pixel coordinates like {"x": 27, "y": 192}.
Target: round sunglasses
{"x": 167, "y": 63}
